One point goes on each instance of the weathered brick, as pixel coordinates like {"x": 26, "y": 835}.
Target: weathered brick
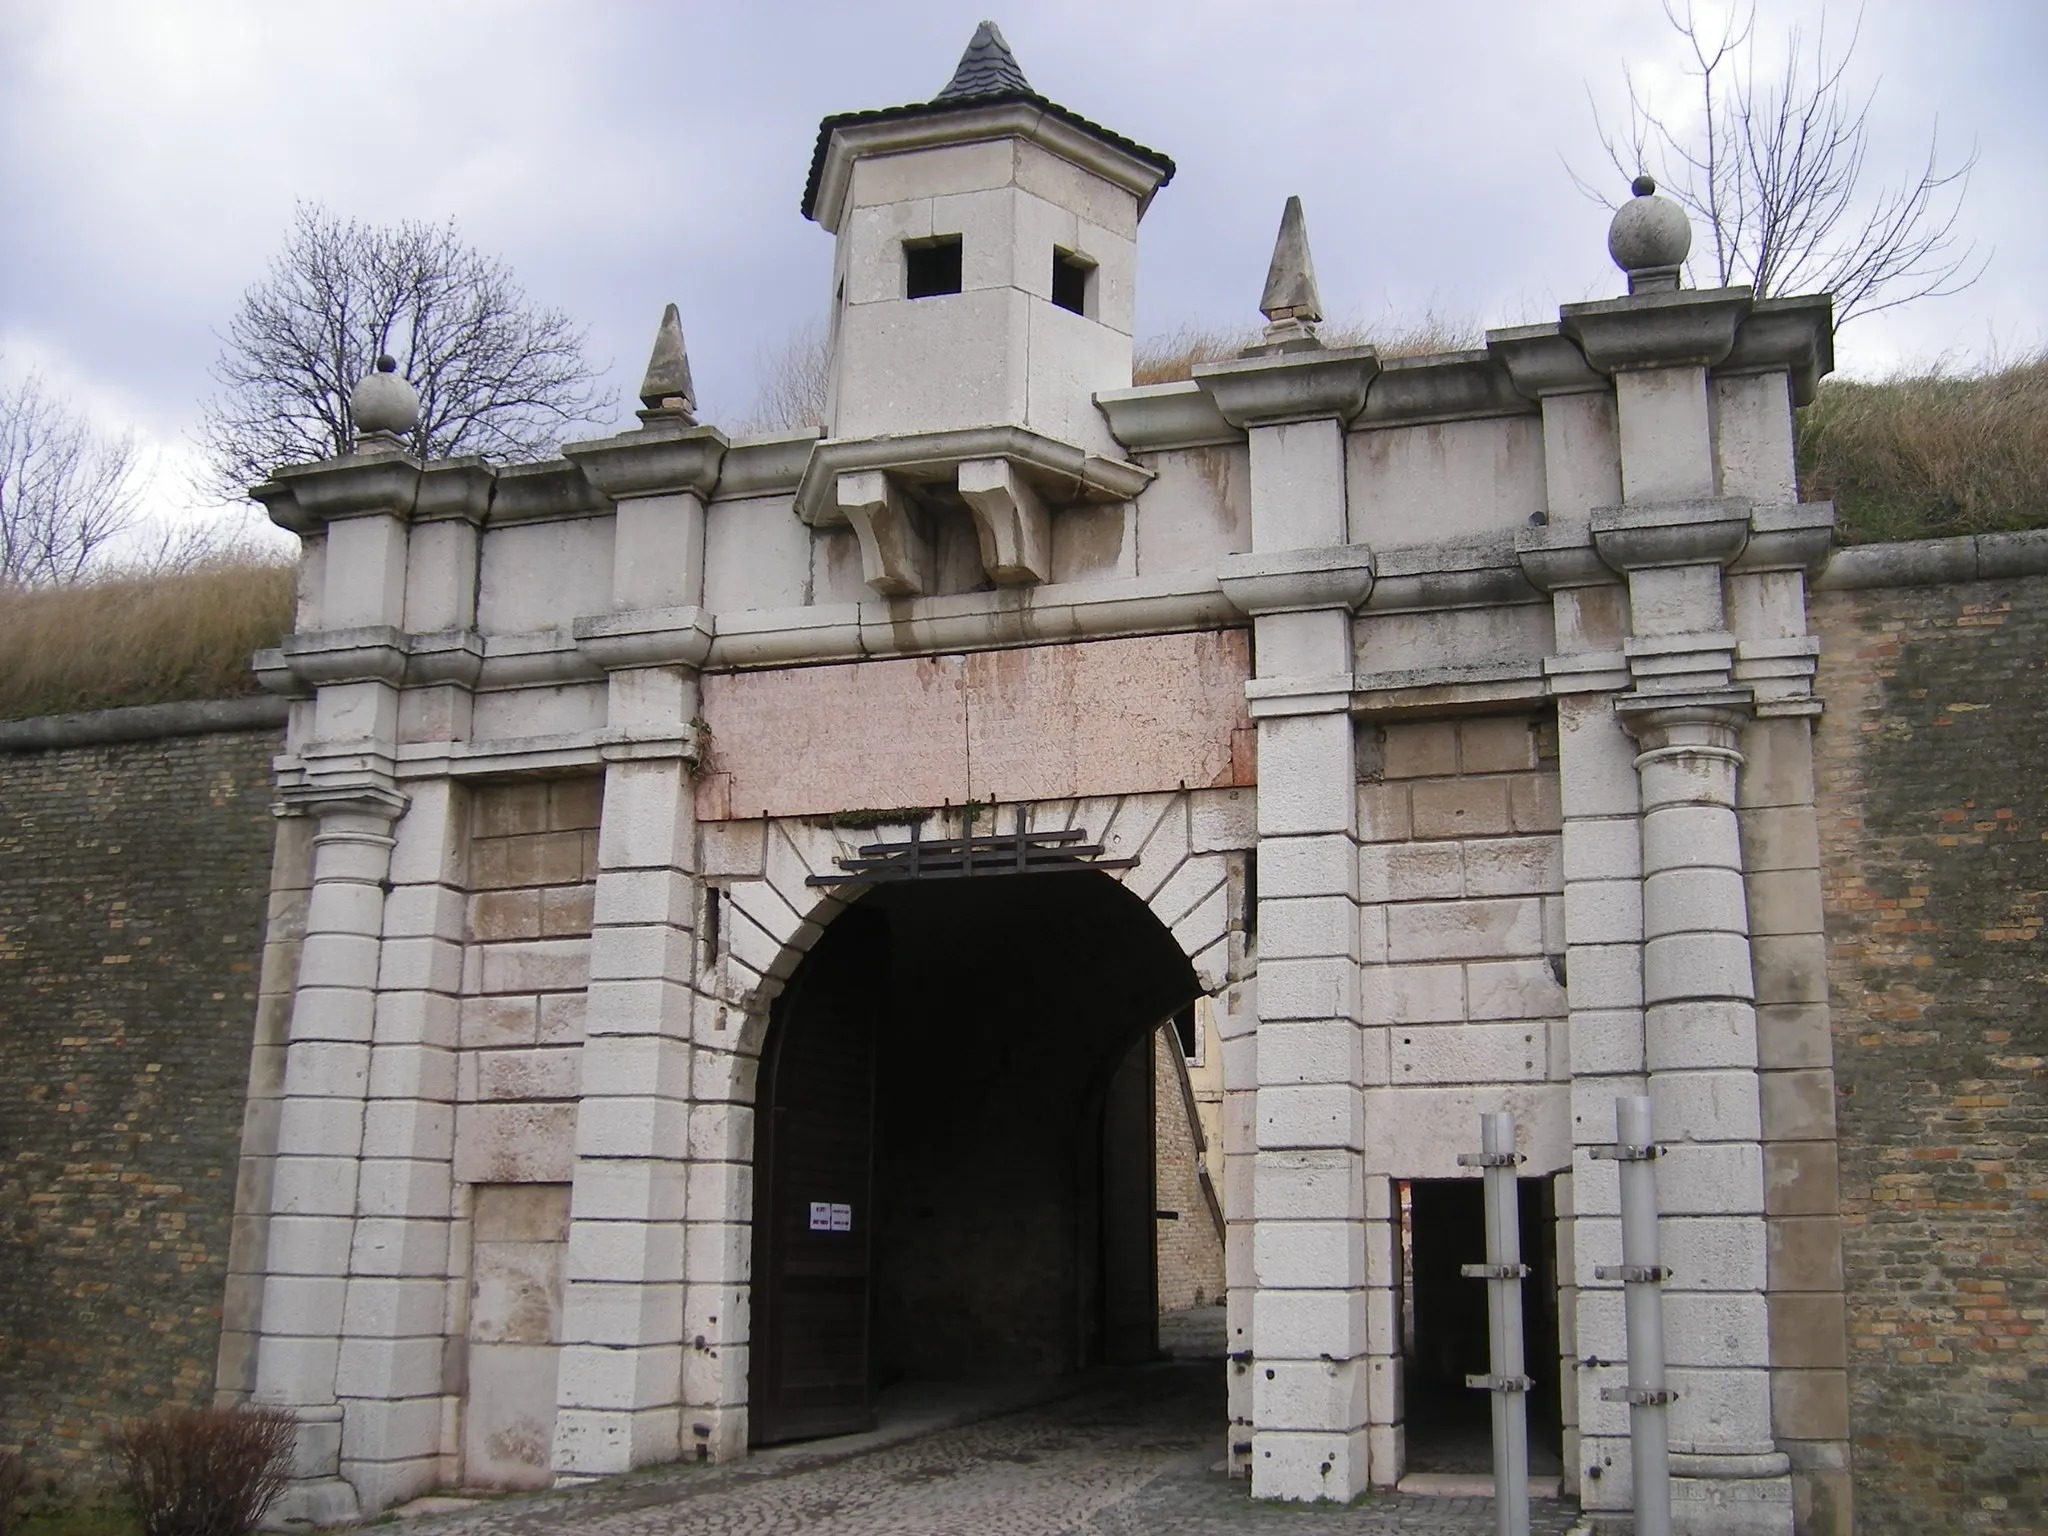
{"x": 134, "y": 881}
{"x": 1933, "y": 815}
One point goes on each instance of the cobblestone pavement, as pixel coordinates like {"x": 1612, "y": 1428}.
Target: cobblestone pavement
{"x": 1132, "y": 1452}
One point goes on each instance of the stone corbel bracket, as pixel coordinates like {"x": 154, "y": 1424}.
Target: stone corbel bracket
{"x": 894, "y": 554}
{"x": 1010, "y": 521}
{"x": 1009, "y": 477}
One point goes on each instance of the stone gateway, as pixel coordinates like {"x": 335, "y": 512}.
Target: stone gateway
{"x": 740, "y": 880}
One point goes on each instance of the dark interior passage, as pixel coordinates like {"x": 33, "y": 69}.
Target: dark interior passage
{"x": 1444, "y": 1334}
{"x": 965, "y": 1066}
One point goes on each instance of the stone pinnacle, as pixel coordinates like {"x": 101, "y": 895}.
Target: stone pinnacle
{"x": 668, "y": 368}
{"x": 1291, "y": 279}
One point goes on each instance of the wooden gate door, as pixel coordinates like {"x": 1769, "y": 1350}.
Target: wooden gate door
{"x": 809, "y": 1373}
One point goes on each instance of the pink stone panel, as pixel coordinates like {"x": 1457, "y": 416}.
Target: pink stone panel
{"x": 1110, "y": 717}
{"x": 1154, "y": 712}
{"x": 871, "y": 735}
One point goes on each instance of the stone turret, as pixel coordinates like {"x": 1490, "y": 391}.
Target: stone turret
{"x": 985, "y": 262}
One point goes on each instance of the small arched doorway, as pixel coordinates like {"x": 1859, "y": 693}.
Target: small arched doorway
{"x": 954, "y": 1145}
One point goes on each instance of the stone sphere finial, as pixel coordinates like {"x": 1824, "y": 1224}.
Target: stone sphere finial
{"x": 1649, "y": 239}
{"x": 384, "y": 402}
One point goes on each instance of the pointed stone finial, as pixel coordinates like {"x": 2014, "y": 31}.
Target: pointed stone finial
{"x": 1291, "y": 304}
{"x": 987, "y": 68}
{"x": 667, "y": 386}
{"x": 1649, "y": 239}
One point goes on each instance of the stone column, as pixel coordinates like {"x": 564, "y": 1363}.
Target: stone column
{"x": 320, "y": 1140}
{"x": 1311, "y": 1334}
{"x": 1671, "y": 539}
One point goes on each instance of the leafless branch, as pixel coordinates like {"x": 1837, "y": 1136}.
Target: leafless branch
{"x": 1777, "y": 171}
{"x": 496, "y": 375}
{"x": 795, "y": 383}
{"x": 65, "y": 488}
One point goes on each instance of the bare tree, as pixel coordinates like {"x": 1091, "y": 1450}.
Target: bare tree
{"x": 1777, "y": 171}
{"x": 795, "y": 381}
{"x": 496, "y": 375}
{"x": 65, "y": 488}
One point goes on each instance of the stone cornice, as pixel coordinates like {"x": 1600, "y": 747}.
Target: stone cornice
{"x": 662, "y": 457}
{"x": 848, "y": 143}
{"x": 1694, "y": 327}
{"x": 1542, "y": 360}
{"x": 1795, "y": 336}
{"x": 1710, "y": 532}
{"x": 662, "y": 637}
{"x": 306, "y": 497}
{"x": 1061, "y": 471}
{"x": 1446, "y": 386}
{"x": 1311, "y": 385}
{"x": 1298, "y": 580}
{"x": 1156, "y": 417}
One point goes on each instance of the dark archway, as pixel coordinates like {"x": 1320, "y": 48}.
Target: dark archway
{"x": 953, "y": 1170}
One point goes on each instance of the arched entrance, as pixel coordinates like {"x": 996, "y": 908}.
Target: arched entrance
{"x": 954, "y": 1144}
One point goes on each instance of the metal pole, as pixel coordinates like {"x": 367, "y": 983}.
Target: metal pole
{"x": 1641, "y": 1272}
{"x": 1503, "y": 1272}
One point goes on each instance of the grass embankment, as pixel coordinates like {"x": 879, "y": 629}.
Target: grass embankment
{"x": 140, "y": 639}
{"x": 1930, "y": 456}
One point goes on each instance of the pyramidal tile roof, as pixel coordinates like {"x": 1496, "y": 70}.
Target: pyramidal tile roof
{"x": 987, "y": 68}
{"x": 987, "y": 76}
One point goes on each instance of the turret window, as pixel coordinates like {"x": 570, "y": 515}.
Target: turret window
{"x": 1072, "y": 279}
{"x": 931, "y": 267}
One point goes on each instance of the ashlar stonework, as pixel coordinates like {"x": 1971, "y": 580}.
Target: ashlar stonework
{"x": 1438, "y": 730}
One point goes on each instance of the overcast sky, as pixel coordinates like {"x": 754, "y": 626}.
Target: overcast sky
{"x": 623, "y": 155}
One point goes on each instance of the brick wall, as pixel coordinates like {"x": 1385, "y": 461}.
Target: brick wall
{"x": 1191, "y": 1245}
{"x": 132, "y": 890}
{"x": 1934, "y": 841}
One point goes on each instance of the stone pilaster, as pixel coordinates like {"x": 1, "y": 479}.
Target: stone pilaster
{"x": 622, "y": 1379}
{"x": 1310, "y": 1362}
{"x": 320, "y": 1140}
{"x": 396, "y": 1379}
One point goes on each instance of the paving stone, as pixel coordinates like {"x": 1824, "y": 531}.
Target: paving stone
{"x": 1132, "y": 1451}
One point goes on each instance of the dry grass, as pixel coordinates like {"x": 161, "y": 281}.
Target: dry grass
{"x": 1932, "y": 455}
{"x": 140, "y": 639}
{"x": 1174, "y": 356}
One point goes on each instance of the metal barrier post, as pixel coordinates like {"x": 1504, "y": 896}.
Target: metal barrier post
{"x": 1503, "y": 1273}
{"x": 1642, "y": 1275}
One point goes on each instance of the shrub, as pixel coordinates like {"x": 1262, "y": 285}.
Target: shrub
{"x": 1930, "y": 455}
{"x": 12, "y": 1475}
{"x": 205, "y": 1471}
{"x": 140, "y": 639}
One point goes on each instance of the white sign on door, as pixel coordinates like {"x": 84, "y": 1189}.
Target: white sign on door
{"x": 828, "y": 1216}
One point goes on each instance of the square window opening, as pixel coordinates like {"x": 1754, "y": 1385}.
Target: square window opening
{"x": 1073, "y": 279}
{"x": 931, "y": 267}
